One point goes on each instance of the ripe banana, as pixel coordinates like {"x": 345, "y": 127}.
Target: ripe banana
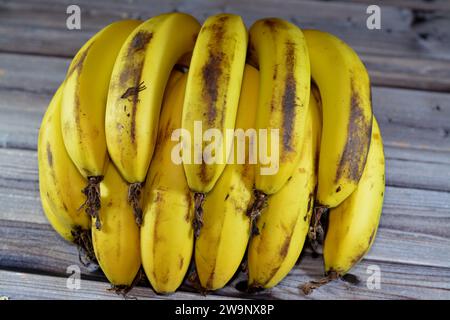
{"x": 166, "y": 233}
{"x": 352, "y": 225}
{"x": 117, "y": 244}
{"x": 284, "y": 223}
{"x": 136, "y": 91}
{"x": 211, "y": 100}
{"x": 344, "y": 86}
{"x": 279, "y": 49}
{"x": 83, "y": 106}
{"x": 221, "y": 245}
{"x": 59, "y": 180}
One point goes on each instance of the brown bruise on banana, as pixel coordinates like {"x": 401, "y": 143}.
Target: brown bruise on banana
{"x": 157, "y": 202}
{"x": 359, "y": 132}
{"x": 289, "y": 103}
{"x": 209, "y": 283}
{"x": 49, "y": 155}
{"x": 213, "y": 70}
{"x": 212, "y": 75}
{"x": 132, "y": 74}
{"x": 76, "y": 67}
{"x": 284, "y": 249}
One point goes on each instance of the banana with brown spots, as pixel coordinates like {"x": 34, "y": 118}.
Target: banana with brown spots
{"x": 117, "y": 244}
{"x": 84, "y": 103}
{"x": 284, "y": 222}
{"x": 59, "y": 180}
{"x": 167, "y": 237}
{"x": 222, "y": 242}
{"x": 344, "y": 87}
{"x": 352, "y": 225}
{"x": 136, "y": 92}
{"x": 211, "y": 101}
{"x": 278, "y": 49}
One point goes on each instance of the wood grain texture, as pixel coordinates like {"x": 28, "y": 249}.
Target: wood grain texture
{"x": 411, "y": 50}
{"x": 19, "y": 286}
{"x": 396, "y": 282}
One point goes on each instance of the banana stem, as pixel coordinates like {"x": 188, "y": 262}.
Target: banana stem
{"x": 309, "y": 287}
{"x": 125, "y": 289}
{"x": 83, "y": 241}
{"x": 255, "y": 210}
{"x": 316, "y": 231}
{"x": 134, "y": 196}
{"x": 92, "y": 204}
{"x": 199, "y": 198}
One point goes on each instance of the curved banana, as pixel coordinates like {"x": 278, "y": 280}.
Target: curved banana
{"x": 211, "y": 101}
{"x": 221, "y": 245}
{"x": 352, "y": 225}
{"x": 59, "y": 180}
{"x": 344, "y": 86}
{"x": 166, "y": 233}
{"x": 136, "y": 91}
{"x": 279, "y": 49}
{"x": 83, "y": 106}
{"x": 117, "y": 244}
{"x": 284, "y": 223}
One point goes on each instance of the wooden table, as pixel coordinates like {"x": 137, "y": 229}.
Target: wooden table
{"x": 409, "y": 63}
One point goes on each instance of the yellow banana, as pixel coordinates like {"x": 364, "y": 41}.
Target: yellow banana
{"x": 211, "y": 100}
{"x": 166, "y": 233}
{"x": 221, "y": 245}
{"x": 117, "y": 244}
{"x": 352, "y": 225}
{"x": 344, "y": 86}
{"x": 60, "y": 183}
{"x": 279, "y": 49}
{"x": 83, "y": 106}
{"x": 284, "y": 223}
{"x": 136, "y": 91}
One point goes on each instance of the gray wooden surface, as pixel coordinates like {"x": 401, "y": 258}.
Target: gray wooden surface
{"x": 409, "y": 63}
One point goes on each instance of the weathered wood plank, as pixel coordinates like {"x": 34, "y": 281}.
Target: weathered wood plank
{"x": 428, "y": 5}
{"x": 396, "y": 282}
{"x": 25, "y": 286}
{"x": 27, "y": 73}
{"x": 397, "y": 36}
{"x": 413, "y": 73}
{"x": 417, "y": 45}
{"x": 408, "y": 118}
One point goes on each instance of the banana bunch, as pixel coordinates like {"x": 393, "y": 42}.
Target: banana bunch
{"x": 173, "y": 144}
